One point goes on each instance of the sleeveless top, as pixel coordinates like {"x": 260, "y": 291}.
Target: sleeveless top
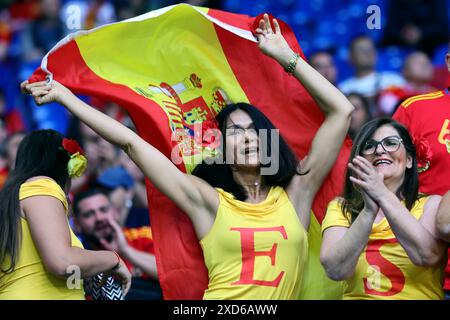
{"x": 255, "y": 251}
{"x": 384, "y": 270}
{"x": 30, "y": 280}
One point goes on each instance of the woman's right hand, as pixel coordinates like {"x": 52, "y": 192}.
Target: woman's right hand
{"x": 44, "y": 92}
{"x": 369, "y": 204}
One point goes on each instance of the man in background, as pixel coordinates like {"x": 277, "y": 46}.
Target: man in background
{"x": 96, "y": 222}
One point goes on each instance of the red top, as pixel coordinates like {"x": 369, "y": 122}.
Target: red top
{"x": 427, "y": 118}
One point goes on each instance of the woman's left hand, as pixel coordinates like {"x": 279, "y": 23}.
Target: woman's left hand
{"x": 367, "y": 178}
{"x": 271, "y": 42}
{"x": 44, "y": 92}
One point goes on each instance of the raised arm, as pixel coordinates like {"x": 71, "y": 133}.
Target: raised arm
{"x": 192, "y": 195}
{"x": 335, "y": 106}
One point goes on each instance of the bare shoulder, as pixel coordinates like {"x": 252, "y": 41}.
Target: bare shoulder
{"x": 41, "y": 206}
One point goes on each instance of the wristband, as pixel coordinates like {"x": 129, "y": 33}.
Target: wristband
{"x": 290, "y": 68}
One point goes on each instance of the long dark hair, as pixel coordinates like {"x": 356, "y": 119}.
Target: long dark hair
{"x": 219, "y": 175}
{"x": 39, "y": 154}
{"x": 353, "y": 202}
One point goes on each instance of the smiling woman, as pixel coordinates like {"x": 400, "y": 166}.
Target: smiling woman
{"x": 381, "y": 237}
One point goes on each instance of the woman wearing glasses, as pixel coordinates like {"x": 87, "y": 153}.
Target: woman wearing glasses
{"x": 380, "y": 237}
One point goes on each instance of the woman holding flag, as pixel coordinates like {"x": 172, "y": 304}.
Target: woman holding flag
{"x": 241, "y": 216}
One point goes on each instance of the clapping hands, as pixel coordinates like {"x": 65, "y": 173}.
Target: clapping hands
{"x": 368, "y": 181}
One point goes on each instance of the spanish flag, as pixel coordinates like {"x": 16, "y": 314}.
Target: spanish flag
{"x": 179, "y": 66}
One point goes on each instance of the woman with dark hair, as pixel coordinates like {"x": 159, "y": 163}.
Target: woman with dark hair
{"x": 238, "y": 211}
{"x": 381, "y": 236}
{"x": 38, "y": 250}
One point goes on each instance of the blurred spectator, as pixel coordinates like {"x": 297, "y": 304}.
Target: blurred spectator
{"x": 367, "y": 81}
{"x": 3, "y": 156}
{"x": 37, "y": 38}
{"x": 42, "y": 34}
{"x": 127, "y": 9}
{"x": 12, "y": 118}
{"x": 92, "y": 13}
{"x": 360, "y": 115}
{"x": 3, "y": 132}
{"x": 8, "y": 151}
{"x": 215, "y": 4}
{"x": 140, "y": 197}
{"x": 5, "y": 35}
{"x": 441, "y": 75}
{"x": 3, "y": 168}
{"x": 418, "y": 24}
{"x": 100, "y": 154}
{"x": 323, "y": 62}
{"x": 25, "y": 10}
{"x": 120, "y": 186}
{"x": 11, "y": 145}
{"x": 96, "y": 221}
{"x": 418, "y": 73}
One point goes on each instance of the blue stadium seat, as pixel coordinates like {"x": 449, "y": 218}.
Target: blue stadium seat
{"x": 439, "y": 54}
{"x": 391, "y": 58}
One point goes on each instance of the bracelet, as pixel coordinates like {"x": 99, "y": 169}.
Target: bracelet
{"x": 292, "y": 63}
{"x": 118, "y": 262}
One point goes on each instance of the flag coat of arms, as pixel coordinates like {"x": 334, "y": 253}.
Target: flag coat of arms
{"x": 174, "y": 68}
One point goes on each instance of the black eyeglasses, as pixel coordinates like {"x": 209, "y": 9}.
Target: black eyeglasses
{"x": 389, "y": 144}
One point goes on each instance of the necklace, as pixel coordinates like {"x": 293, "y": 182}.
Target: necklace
{"x": 252, "y": 184}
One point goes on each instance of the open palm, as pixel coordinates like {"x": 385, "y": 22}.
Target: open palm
{"x": 271, "y": 42}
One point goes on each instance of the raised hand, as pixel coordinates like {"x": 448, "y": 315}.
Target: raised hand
{"x": 44, "y": 92}
{"x": 271, "y": 42}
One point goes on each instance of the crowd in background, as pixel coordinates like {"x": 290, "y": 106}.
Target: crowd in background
{"x": 376, "y": 69}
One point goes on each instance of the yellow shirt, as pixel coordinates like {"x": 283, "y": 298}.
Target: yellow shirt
{"x": 30, "y": 280}
{"x": 384, "y": 270}
{"x": 255, "y": 251}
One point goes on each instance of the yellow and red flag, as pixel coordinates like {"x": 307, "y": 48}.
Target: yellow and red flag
{"x": 178, "y": 66}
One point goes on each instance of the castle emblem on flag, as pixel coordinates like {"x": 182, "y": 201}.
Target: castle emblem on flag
{"x": 188, "y": 104}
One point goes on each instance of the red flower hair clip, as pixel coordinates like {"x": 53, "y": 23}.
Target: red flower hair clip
{"x": 78, "y": 162}
{"x": 71, "y": 146}
{"x": 423, "y": 153}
